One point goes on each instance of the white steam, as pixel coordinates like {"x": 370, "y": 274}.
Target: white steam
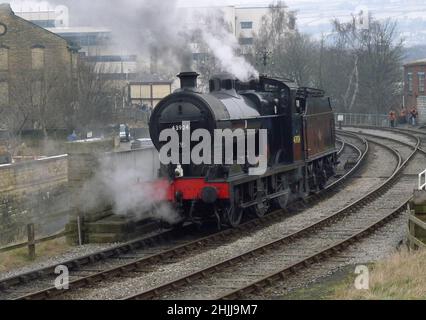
{"x": 160, "y": 29}
{"x": 223, "y": 48}
{"x": 128, "y": 189}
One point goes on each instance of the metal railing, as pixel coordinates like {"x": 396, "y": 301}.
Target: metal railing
{"x": 348, "y": 119}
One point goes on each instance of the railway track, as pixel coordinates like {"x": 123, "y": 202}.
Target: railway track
{"x": 379, "y": 245}
{"x": 244, "y": 266}
{"x": 232, "y": 277}
{"x": 224, "y": 267}
{"x": 22, "y": 286}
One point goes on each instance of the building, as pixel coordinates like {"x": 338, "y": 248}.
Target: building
{"x": 95, "y": 44}
{"x": 414, "y": 87}
{"x": 92, "y": 41}
{"x": 248, "y": 25}
{"x": 32, "y": 61}
{"x": 46, "y": 18}
{"x": 148, "y": 93}
{"x": 243, "y": 22}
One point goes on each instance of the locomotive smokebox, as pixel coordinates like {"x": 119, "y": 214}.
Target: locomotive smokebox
{"x": 188, "y": 80}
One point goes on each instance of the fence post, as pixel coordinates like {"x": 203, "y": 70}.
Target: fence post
{"x": 31, "y": 241}
{"x": 80, "y": 229}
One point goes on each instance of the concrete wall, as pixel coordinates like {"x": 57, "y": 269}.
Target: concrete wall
{"x": 33, "y": 192}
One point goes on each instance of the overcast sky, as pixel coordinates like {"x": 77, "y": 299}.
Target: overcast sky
{"x": 313, "y": 16}
{"x": 243, "y": 2}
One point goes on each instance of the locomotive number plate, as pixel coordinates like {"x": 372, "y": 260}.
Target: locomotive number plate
{"x": 181, "y": 127}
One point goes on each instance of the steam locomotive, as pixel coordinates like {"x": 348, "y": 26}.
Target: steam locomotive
{"x": 300, "y": 146}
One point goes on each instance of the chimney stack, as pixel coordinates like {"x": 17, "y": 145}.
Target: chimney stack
{"x": 188, "y": 80}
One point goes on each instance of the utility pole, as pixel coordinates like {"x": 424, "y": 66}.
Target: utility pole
{"x": 264, "y": 57}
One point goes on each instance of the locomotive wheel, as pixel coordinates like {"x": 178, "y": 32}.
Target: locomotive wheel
{"x": 282, "y": 186}
{"x": 234, "y": 213}
{"x": 233, "y": 216}
{"x": 260, "y": 209}
{"x": 262, "y": 205}
{"x": 281, "y": 202}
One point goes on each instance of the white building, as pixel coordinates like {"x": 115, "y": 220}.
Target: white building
{"x": 245, "y": 22}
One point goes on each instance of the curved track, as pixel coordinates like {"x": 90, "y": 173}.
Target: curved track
{"x": 38, "y": 284}
{"x": 232, "y": 278}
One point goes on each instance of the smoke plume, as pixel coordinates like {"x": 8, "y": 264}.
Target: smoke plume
{"x": 159, "y": 30}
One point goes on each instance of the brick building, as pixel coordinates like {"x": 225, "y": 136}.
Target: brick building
{"x": 415, "y": 87}
{"x": 34, "y": 63}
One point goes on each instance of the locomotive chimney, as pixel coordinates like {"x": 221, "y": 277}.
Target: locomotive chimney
{"x": 188, "y": 80}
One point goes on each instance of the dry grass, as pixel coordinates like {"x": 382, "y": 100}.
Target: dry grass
{"x": 19, "y": 257}
{"x": 402, "y": 276}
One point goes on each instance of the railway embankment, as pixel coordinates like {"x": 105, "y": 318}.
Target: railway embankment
{"x": 401, "y": 276}
{"x": 398, "y": 277}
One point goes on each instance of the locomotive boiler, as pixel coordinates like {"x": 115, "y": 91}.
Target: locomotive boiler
{"x": 299, "y": 150}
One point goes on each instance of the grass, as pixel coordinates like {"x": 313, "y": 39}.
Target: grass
{"x": 402, "y": 277}
{"x": 19, "y": 257}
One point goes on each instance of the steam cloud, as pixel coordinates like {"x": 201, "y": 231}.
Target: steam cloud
{"x": 129, "y": 191}
{"x": 158, "y": 29}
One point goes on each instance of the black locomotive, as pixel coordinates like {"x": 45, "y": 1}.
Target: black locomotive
{"x": 301, "y": 151}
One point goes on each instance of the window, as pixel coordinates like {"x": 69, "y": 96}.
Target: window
{"x": 246, "y": 41}
{"x": 37, "y": 56}
{"x": 160, "y": 91}
{"x": 4, "y": 58}
{"x": 4, "y": 93}
{"x": 44, "y": 23}
{"x": 421, "y": 76}
{"x": 410, "y": 82}
{"x": 246, "y": 25}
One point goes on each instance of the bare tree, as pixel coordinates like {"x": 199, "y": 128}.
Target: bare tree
{"x": 278, "y": 26}
{"x": 94, "y": 97}
{"x": 39, "y": 98}
{"x": 365, "y": 64}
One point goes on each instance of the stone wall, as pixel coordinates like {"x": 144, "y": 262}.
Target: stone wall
{"x": 51, "y": 192}
{"x": 33, "y": 192}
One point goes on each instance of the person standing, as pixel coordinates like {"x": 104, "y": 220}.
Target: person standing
{"x": 414, "y": 114}
{"x": 392, "y": 118}
{"x": 403, "y": 116}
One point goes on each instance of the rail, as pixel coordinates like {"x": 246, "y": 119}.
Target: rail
{"x": 179, "y": 251}
{"x": 416, "y": 227}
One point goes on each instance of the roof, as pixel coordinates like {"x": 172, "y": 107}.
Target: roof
{"x": 421, "y": 62}
{"x": 78, "y": 30}
{"x": 6, "y": 9}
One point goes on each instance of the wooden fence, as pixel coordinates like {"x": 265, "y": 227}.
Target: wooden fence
{"x": 417, "y": 218}
{"x": 32, "y": 241}
{"x": 417, "y": 230}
